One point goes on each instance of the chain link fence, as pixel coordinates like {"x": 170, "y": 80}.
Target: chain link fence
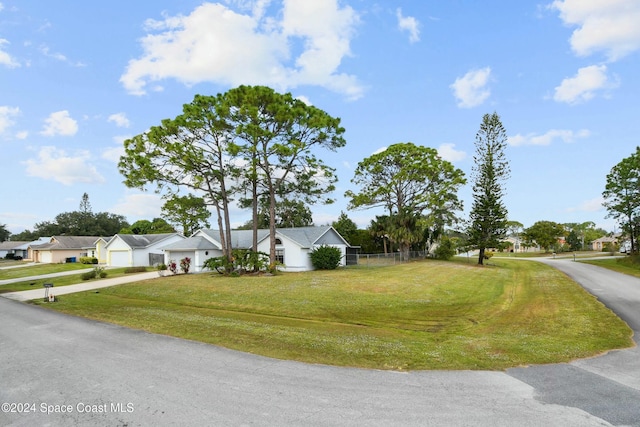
{"x": 378, "y": 260}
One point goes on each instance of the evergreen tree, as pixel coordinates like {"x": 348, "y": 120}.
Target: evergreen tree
{"x": 488, "y": 217}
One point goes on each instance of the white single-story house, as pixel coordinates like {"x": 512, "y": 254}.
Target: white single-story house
{"x": 137, "y": 250}
{"x": 293, "y": 246}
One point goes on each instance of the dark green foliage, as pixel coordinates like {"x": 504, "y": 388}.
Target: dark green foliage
{"x": 325, "y": 258}
{"x": 446, "y": 249}
{"x": 4, "y": 233}
{"x": 190, "y": 212}
{"x": 346, "y": 227}
{"x": 97, "y": 272}
{"x": 622, "y": 196}
{"x": 488, "y": 223}
{"x": 88, "y": 275}
{"x": 242, "y": 261}
{"x": 411, "y": 183}
{"x": 144, "y": 226}
{"x": 88, "y": 260}
{"x": 130, "y": 270}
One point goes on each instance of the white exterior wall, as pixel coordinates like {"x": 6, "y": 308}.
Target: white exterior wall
{"x": 197, "y": 257}
{"x": 295, "y": 257}
{"x": 116, "y": 253}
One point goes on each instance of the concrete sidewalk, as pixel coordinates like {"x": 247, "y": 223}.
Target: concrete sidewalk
{"x": 44, "y": 276}
{"x": 80, "y": 287}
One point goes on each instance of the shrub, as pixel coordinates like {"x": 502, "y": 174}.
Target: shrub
{"x": 243, "y": 260}
{"x": 88, "y": 275}
{"x": 446, "y": 249}
{"x": 88, "y": 260}
{"x": 325, "y": 257}
{"x": 173, "y": 267}
{"x": 488, "y": 254}
{"x": 162, "y": 267}
{"x": 129, "y": 270}
{"x": 185, "y": 263}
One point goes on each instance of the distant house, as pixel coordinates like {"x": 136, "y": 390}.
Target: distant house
{"x": 12, "y": 248}
{"x": 601, "y": 243}
{"x": 293, "y": 245}
{"x": 137, "y": 250}
{"x": 62, "y": 249}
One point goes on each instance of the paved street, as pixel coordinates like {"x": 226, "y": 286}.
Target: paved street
{"x": 92, "y": 373}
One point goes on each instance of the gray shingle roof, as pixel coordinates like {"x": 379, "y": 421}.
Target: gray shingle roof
{"x": 68, "y": 242}
{"x": 143, "y": 240}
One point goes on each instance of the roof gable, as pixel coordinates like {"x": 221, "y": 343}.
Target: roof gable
{"x": 141, "y": 240}
{"x": 305, "y": 237}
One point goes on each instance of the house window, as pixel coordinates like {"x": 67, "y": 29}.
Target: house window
{"x": 280, "y": 256}
{"x": 278, "y": 241}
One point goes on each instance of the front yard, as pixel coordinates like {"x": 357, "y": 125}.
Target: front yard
{"x": 422, "y": 315}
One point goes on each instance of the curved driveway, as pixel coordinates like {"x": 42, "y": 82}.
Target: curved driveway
{"x": 92, "y": 373}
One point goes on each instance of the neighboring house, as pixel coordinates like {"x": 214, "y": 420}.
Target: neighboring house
{"x": 138, "y": 250}
{"x": 516, "y": 244}
{"x": 602, "y": 242}
{"x": 293, "y": 246}
{"x": 12, "y": 248}
{"x": 63, "y": 249}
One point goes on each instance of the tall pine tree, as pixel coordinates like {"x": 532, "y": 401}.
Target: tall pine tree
{"x": 488, "y": 218}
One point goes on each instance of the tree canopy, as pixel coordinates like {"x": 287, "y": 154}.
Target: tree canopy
{"x": 82, "y": 222}
{"x": 189, "y": 212}
{"x": 545, "y": 233}
{"x": 408, "y": 181}
{"x": 250, "y": 139}
{"x": 4, "y": 233}
{"x": 144, "y": 226}
{"x": 622, "y": 196}
{"x": 488, "y": 224}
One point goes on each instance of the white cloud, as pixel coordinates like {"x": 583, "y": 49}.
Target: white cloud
{"x": 54, "y": 164}
{"x": 471, "y": 89}
{"x": 60, "y": 123}
{"x": 23, "y": 134}
{"x": 593, "y": 205}
{"x": 6, "y": 117}
{"x": 567, "y": 136}
{"x": 609, "y": 26}
{"x": 448, "y": 152}
{"x": 114, "y": 153}
{"x": 6, "y": 59}
{"x": 120, "y": 119}
{"x": 409, "y": 24}
{"x": 583, "y": 85}
{"x": 217, "y": 44}
{"x": 139, "y": 205}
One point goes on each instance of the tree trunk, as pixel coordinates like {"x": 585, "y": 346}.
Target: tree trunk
{"x": 272, "y": 228}
{"x": 481, "y": 256}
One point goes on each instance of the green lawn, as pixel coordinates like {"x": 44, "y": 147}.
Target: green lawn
{"x": 421, "y": 315}
{"x": 621, "y": 265}
{"x": 72, "y": 279}
{"x": 38, "y": 269}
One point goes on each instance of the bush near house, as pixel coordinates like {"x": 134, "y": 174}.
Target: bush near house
{"x": 326, "y": 258}
{"x": 88, "y": 260}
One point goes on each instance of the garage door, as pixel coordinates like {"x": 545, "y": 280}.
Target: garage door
{"x": 118, "y": 259}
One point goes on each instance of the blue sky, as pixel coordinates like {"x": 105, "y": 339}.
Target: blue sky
{"x": 78, "y": 78}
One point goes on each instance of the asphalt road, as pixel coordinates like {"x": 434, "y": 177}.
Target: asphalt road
{"x": 62, "y": 371}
